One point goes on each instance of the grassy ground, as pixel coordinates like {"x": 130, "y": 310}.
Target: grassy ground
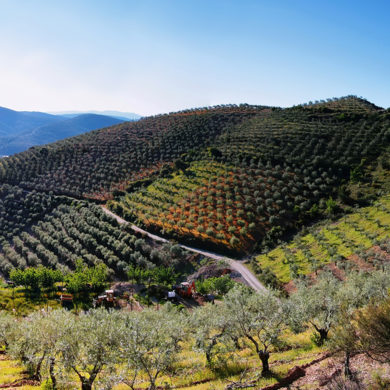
{"x": 11, "y": 371}
{"x": 17, "y": 301}
{"x": 193, "y": 374}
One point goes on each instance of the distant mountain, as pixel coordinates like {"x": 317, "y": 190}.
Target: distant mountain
{"x": 70, "y": 127}
{"x": 15, "y": 122}
{"x": 115, "y": 114}
{"x": 21, "y": 130}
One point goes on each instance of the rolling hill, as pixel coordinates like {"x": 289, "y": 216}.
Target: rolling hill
{"x": 236, "y": 179}
{"x": 126, "y": 116}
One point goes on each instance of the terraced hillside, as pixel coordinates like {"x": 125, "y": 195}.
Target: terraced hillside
{"x": 228, "y": 178}
{"x": 361, "y": 238}
{"x": 219, "y": 203}
{"x": 263, "y": 176}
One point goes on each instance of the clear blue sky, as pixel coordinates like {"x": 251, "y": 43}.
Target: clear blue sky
{"x": 156, "y": 56}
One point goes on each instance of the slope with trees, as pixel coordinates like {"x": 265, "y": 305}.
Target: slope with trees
{"x": 82, "y": 231}
{"x": 356, "y": 240}
{"x": 263, "y": 177}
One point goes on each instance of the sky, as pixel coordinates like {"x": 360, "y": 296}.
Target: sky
{"x": 156, "y": 56}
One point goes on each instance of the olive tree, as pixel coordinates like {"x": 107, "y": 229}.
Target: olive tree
{"x": 90, "y": 344}
{"x": 39, "y": 341}
{"x": 8, "y": 325}
{"x": 257, "y": 317}
{"x": 344, "y": 340}
{"x": 361, "y": 287}
{"x": 366, "y": 330}
{"x": 150, "y": 341}
{"x": 320, "y": 304}
{"x": 317, "y": 305}
{"x": 211, "y": 325}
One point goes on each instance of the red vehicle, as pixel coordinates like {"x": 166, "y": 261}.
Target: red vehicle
{"x": 186, "y": 289}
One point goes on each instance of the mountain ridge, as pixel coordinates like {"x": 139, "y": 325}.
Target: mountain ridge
{"x": 112, "y": 113}
{"x": 20, "y": 130}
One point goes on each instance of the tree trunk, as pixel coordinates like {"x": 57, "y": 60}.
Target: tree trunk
{"x": 208, "y": 352}
{"x": 51, "y": 372}
{"x": 152, "y": 379}
{"x": 347, "y": 367}
{"x": 264, "y": 357}
{"x": 237, "y": 344}
{"x": 323, "y": 335}
{"x": 208, "y": 356}
{"x": 152, "y": 385}
{"x": 37, "y": 373}
{"x": 86, "y": 385}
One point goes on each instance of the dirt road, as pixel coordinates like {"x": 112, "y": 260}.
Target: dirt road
{"x": 236, "y": 265}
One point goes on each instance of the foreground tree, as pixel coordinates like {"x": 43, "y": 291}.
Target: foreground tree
{"x": 211, "y": 326}
{"x": 90, "y": 344}
{"x": 317, "y": 304}
{"x": 39, "y": 342}
{"x": 258, "y": 317}
{"x": 366, "y": 331}
{"x": 8, "y": 328}
{"x": 150, "y": 341}
{"x": 322, "y": 303}
{"x": 344, "y": 340}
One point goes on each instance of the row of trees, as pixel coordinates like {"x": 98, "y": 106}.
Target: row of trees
{"x": 223, "y": 204}
{"x": 122, "y": 347}
{"x": 313, "y": 248}
{"x": 291, "y": 163}
{"x": 164, "y": 276}
{"x": 83, "y": 231}
{"x": 82, "y": 282}
{"x": 294, "y": 159}
{"x": 20, "y": 208}
{"x": 261, "y": 318}
{"x": 116, "y": 345}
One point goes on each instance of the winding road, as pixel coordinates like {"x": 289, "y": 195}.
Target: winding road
{"x": 247, "y": 275}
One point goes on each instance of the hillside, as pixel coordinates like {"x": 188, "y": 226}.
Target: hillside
{"x": 261, "y": 177}
{"x": 227, "y": 178}
{"x": 358, "y": 240}
{"x": 100, "y": 161}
